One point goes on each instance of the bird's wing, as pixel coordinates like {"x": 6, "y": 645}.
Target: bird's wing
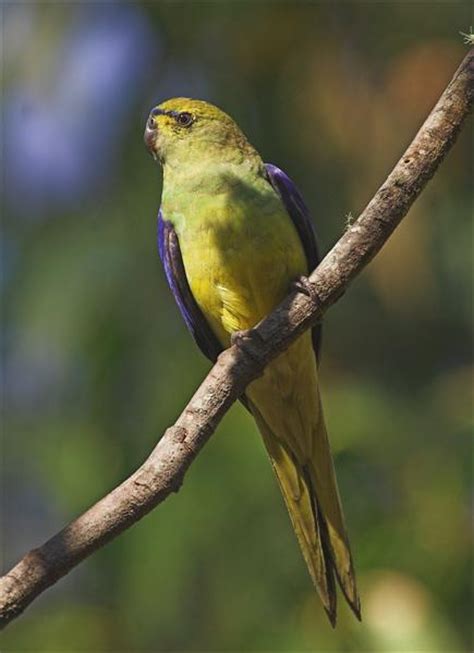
{"x": 299, "y": 214}
{"x": 170, "y": 254}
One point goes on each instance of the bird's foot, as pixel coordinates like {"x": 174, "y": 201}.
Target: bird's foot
{"x": 245, "y": 341}
{"x": 306, "y": 287}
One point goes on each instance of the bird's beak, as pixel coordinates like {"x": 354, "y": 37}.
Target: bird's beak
{"x": 149, "y": 137}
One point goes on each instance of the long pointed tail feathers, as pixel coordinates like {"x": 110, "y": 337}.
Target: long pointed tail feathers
{"x": 312, "y": 499}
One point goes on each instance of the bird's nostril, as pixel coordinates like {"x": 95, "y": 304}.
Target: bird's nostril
{"x": 151, "y": 124}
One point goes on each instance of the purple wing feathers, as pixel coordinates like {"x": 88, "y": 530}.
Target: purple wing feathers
{"x": 170, "y": 254}
{"x": 299, "y": 213}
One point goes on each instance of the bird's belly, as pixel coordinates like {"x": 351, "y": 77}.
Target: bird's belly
{"x": 238, "y": 274}
{"x": 235, "y": 288}
{"x": 238, "y": 278}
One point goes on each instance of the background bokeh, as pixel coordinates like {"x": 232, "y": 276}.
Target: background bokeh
{"x": 97, "y": 362}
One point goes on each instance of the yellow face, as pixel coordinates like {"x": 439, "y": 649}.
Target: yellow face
{"x": 194, "y": 124}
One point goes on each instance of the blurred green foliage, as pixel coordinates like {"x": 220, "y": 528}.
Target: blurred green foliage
{"x": 98, "y": 362}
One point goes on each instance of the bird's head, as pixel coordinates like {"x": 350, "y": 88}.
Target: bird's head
{"x": 182, "y": 129}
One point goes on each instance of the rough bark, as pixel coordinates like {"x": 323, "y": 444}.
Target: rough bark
{"x": 163, "y": 471}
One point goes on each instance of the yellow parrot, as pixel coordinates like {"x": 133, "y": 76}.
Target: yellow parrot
{"x": 233, "y": 235}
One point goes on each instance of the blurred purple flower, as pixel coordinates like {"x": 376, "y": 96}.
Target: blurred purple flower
{"x": 62, "y": 145}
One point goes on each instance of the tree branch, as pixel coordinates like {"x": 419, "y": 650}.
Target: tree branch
{"x": 163, "y": 471}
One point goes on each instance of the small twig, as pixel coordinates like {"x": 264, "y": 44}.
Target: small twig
{"x": 163, "y": 472}
{"x": 469, "y": 37}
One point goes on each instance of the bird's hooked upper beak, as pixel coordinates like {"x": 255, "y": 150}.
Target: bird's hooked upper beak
{"x": 151, "y": 131}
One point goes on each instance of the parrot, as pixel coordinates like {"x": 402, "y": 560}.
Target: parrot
{"x": 234, "y": 236}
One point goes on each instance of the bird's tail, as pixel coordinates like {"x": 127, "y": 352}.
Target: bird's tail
{"x": 312, "y": 498}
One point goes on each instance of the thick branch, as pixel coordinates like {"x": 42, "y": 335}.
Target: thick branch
{"x": 163, "y": 472}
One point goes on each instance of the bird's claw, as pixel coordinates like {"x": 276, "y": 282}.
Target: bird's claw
{"x": 237, "y": 337}
{"x": 306, "y": 287}
{"x": 243, "y": 340}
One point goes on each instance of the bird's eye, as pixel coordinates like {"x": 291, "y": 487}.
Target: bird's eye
{"x": 184, "y": 119}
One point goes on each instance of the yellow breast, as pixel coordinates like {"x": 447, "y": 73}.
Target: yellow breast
{"x": 240, "y": 269}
